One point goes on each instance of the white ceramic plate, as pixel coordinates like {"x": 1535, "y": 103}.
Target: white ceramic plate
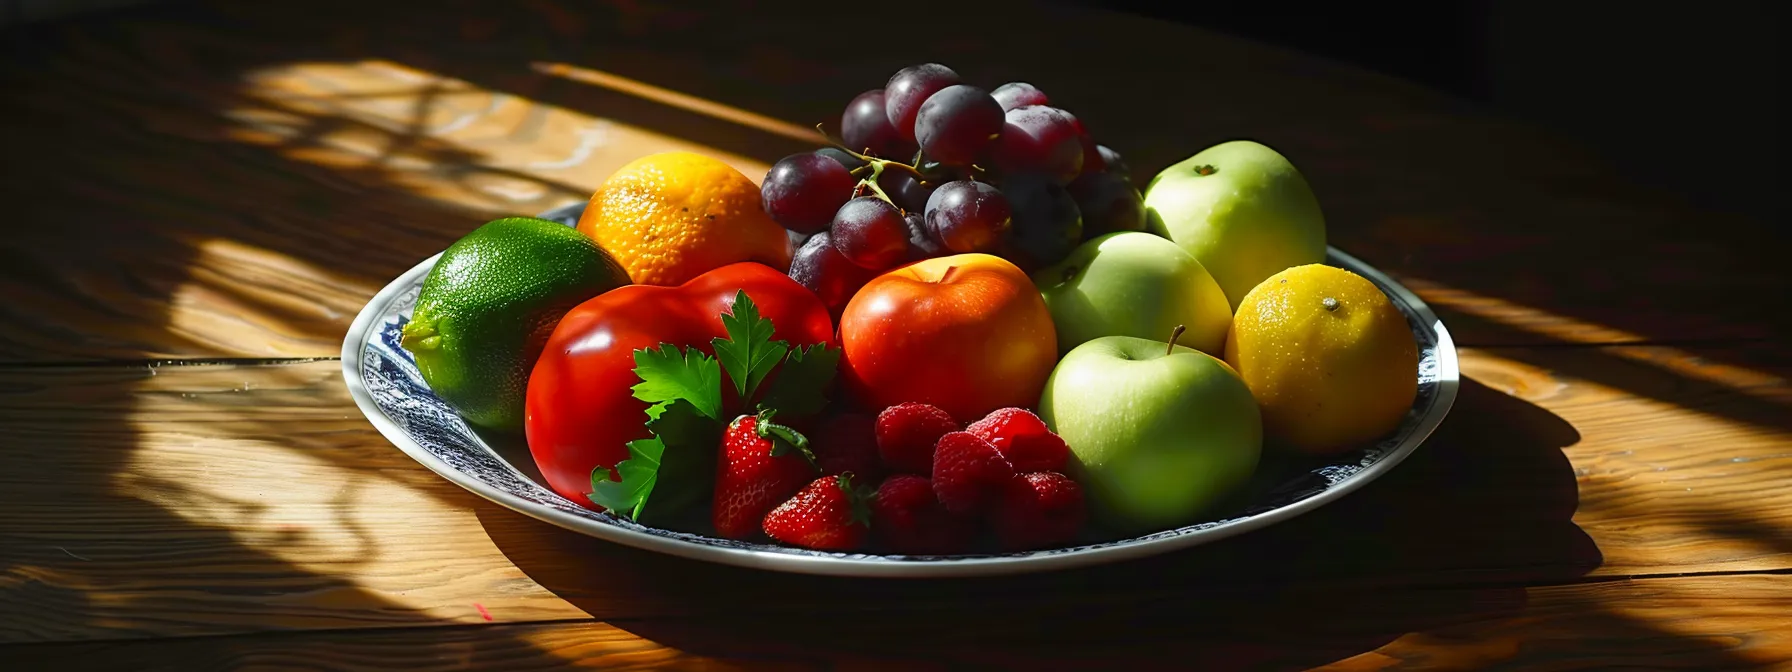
{"x": 385, "y": 384}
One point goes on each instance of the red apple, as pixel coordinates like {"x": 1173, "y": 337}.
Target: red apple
{"x": 968, "y": 333}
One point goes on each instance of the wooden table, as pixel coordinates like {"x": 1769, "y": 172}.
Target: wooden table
{"x": 200, "y": 198}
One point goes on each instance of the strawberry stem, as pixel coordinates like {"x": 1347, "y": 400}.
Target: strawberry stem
{"x": 785, "y": 439}
{"x": 858, "y": 499}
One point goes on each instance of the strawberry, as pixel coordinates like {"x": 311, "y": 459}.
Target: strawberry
{"x": 906, "y": 434}
{"x": 908, "y": 518}
{"x": 847, "y": 442}
{"x": 968, "y": 473}
{"x": 761, "y": 463}
{"x": 1038, "y": 510}
{"x": 1023, "y": 438}
{"x": 827, "y": 514}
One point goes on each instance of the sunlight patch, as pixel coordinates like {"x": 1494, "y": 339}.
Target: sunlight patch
{"x": 446, "y": 138}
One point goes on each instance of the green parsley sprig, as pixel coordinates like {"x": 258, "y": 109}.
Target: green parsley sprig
{"x": 675, "y": 466}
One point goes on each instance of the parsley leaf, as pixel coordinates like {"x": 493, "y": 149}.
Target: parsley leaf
{"x": 667, "y": 469}
{"x": 667, "y": 376}
{"x": 749, "y": 353}
{"x": 685, "y": 388}
{"x": 640, "y": 472}
{"x": 688, "y": 464}
{"x": 800, "y": 389}
{"x": 679, "y": 424}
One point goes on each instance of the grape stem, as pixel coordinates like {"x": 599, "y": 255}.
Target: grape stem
{"x": 876, "y": 165}
{"x": 877, "y": 168}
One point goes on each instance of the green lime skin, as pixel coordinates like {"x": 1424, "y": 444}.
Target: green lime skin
{"x": 488, "y": 306}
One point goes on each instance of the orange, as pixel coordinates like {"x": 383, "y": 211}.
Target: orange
{"x": 1331, "y": 361}
{"x": 670, "y": 217}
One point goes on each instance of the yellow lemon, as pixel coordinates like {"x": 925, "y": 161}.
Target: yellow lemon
{"x": 1329, "y": 358}
{"x": 670, "y": 217}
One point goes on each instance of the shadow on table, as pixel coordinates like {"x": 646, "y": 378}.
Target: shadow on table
{"x": 1446, "y": 538}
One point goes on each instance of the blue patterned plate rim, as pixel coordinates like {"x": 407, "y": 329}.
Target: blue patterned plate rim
{"x": 384, "y": 383}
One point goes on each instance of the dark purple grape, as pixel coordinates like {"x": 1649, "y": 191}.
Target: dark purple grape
{"x": 921, "y": 243}
{"x": 1041, "y": 140}
{"x": 906, "y": 191}
{"x": 866, "y": 128}
{"x": 870, "y": 232}
{"x": 908, "y": 89}
{"x": 1018, "y": 94}
{"x": 1047, "y": 224}
{"x": 851, "y": 162}
{"x": 803, "y": 191}
{"x": 821, "y": 268}
{"x": 1092, "y": 161}
{"x": 937, "y": 173}
{"x": 1109, "y": 203}
{"x": 968, "y": 216}
{"x": 955, "y": 125}
{"x": 1112, "y": 163}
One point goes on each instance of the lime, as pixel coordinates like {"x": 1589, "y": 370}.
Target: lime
{"x": 488, "y": 305}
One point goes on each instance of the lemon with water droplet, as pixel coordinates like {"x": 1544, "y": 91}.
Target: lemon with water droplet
{"x": 1331, "y": 361}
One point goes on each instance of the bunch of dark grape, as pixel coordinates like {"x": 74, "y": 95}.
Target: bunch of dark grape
{"x": 929, "y": 166}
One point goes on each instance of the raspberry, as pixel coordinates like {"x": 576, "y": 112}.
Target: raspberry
{"x": 847, "y": 443}
{"x": 1038, "y": 510}
{"x": 968, "y": 473}
{"x": 1022, "y": 438}
{"x": 906, "y": 434}
{"x": 907, "y": 518}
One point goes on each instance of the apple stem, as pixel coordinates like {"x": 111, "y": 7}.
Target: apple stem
{"x": 1205, "y": 170}
{"x": 1174, "y": 334}
{"x": 947, "y": 276}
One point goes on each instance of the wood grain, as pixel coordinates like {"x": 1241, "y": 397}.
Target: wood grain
{"x": 210, "y": 499}
{"x": 205, "y": 499}
{"x": 1691, "y": 623}
{"x": 1701, "y": 623}
{"x": 236, "y": 180}
{"x": 592, "y": 646}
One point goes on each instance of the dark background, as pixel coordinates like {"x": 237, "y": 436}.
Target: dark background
{"x": 1682, "y": 96}
{"x": 1685, "y": 96}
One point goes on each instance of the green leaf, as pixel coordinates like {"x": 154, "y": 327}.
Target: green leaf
{"x": 668, "y": 375}
{"x": 640, "y": 472}
{"x": 801, "y": 387}
{"x": 687, "y": 468}
{"x": 671, "y": 470}
{"x": 680, "y": 424}
{"x": 749, "y": 353}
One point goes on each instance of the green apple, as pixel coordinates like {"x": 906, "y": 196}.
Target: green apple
{"x": 1242, "y": 209}
{"x": 1134, "y": 284}
{"x": 1158, "y": 433}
